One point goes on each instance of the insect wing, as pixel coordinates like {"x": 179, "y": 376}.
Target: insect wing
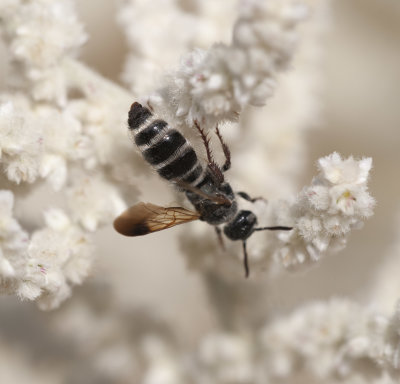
{"x": 144, "y": 218}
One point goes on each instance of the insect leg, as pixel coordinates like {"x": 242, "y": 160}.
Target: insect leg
{"x": 245, "y": 260}
{"x": 220, "y": 238}
{"x": 245, "y": 196}
{"x": 206, "y": 141}
{"x": 212, "y": 165}
{"x": 277, "y": 228}
{"x": 217, "y": 198}
{"x": 226, "y": 150}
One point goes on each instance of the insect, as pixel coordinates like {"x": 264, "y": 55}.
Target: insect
{"x": 175, "y": 160}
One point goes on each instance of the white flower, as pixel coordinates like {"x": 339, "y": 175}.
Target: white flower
{"x": 145, "y": 24}
{"x": 214, "y": 85}
{"x": 94, "y": 201}
{"x": 13, "y": 244}
{"x": 62, "y": 138}
{"x": 337, "y": 338}
{"x": 59, "y": 256}
{"x": 20, "y": 145}
{"x": 39, "y": 142}
{"x": 54, "y": 168}
{"x": 348, "y": 171}
{"x": 42, "y": 32}
{"x": 50, "y": 84}
{"x": 336, "y": 202}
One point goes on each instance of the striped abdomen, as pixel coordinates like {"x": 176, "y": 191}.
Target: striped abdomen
{"x": 163, "y": 147}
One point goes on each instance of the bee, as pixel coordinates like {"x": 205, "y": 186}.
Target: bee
{"x": 175, "y": 160}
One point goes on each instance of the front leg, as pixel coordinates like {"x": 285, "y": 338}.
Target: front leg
{"x": 220, "y": 238}
{"x": 245, "y": 196}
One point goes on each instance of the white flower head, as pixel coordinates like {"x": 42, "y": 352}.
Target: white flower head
{"x": 42, "y": 32}
{"x": 50, "y": 84}
{"x": 21, "y": 145}
{"x": 9, "y": 227}
{"x": 13, "y": 244}
{"x": 94, "y": 201}
{"x": 213, "y": 86}
{"x": 349, "y": 171}
{"x": 59, "y": 256}
{"x": 325, "y": 212}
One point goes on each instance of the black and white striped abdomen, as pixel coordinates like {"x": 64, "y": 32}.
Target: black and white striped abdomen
{"x": 163, "y": 147}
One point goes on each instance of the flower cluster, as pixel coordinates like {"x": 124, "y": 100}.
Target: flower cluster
{"x": 325, "y": 212}
{"x": 58, "y": 257}
{"x": 334, "y": 339}
{"x": 14, "y": 242}
{"x": 73, "y": 142}
{"x": 145, "y": 32}
{"x": 46, "y": 265}
{"x": 213, "y": 85}
{"x": 40, "y": 35}
{"x": 38, "y": 141}
{"x": 145, "y": 24}
{"x": 20, "y": 146}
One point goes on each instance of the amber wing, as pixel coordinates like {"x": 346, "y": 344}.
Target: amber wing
{"x": 144, "y": 218}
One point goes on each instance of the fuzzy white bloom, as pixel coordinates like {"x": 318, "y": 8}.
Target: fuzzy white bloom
{"x": 58, "y": 256}
{"x": 43, "y": 142}
{"x": 43, "y": 31}
{"x": 60, "y": 139}
{"x": 40, "y": 34}
{"x": 45, "y": 266}
{"x": 38, "y": 141}
{"x": 334, "y": 339}
{"x": 13, "y": 244}
{"x": 214, "y": 85}
{"x": 325, "y": 212}
{"x": 145, "y": 30}
{"x": 145, "y": 24}
{"x": 20, "y": 145}
{"x": 278, "y": 139}
{"x": 93, "y": 201}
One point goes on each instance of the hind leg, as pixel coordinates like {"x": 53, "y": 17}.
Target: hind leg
{"x": 225, "y": 149}
{"x": 212, "y": 165}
